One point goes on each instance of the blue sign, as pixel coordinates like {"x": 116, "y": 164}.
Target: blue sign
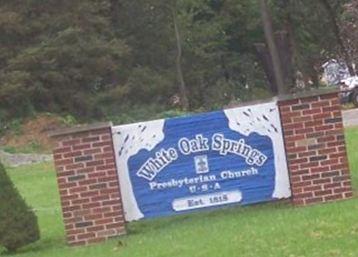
{"x": 208, "y": 160}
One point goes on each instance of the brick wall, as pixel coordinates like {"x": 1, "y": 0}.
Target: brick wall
{"x": 89, "y": 187}
{"x": 88, "y": 184}
{"x": 315, "y": 148}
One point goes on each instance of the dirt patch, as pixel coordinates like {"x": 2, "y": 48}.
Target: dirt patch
{"x": 33, "y": 133}
{"x": 15, "y": 160}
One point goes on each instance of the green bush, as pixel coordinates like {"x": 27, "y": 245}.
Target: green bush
{"x": 18, "y": 223}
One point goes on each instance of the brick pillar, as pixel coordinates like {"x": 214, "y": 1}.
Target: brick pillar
{"x": 88, "y": 184}
{"x": 316, "y": 150}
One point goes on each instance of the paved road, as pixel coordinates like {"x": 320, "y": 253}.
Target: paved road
{"x": 350, "y": 118}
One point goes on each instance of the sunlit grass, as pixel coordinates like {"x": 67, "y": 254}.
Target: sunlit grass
{"x": 270, "y": 230}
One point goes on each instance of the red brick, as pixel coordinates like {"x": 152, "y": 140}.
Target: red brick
{"x": 104, "y": 221}
{"x": 96, "y": 240}
{"x": 116, "y": 225}
{"x": 298, "y": 149}
{"x": 90, "y": 139}
{"x": 322, "y": 181}
{"x": 348, "y": 194}
{"x": 101, "y": 132}
{"x": 304, "y": 195}
{"x": 314, "y": 200}
{"x": 70, "y": 208}
{"x": 288, "y": 102}
{"x": 63, "y": 162}
{"x": 327, "y": 150}
{"x": 80, "y": 201}
{"x": 106, "y": 167}
{"x": 323, "y": 192}
{"x": 108, "y": 149}
{"x": 310, "y": 99}
{"x": 302, "y": 119}
{"x": 332, "y": 185}
{"x": 284, "y": 109}
{"x": 304, "y": 131}
{"x": 324, "y": 127}
{"x": 309, "y": 165}
{"x": 92, "y": 151}
{"x": 320, "y": 104}
{"x": 95, "y": 228}
{"x": 97, "y": 174}
{"x": 106, "y": 137}
{"x": 88, "y": 181}
{"x": 94, "y": 163}
{"x": 312, "y": 111}
{"x": 62, "y": 150}
{"x": 89, "y": 194}
{"x": 101, "y": 144}
{"x": 298, "y": 161}
{"x": 301, "y": 184}
{"x": 78, "y": 189}
{"x": 74, "y": 166}
{"x": 72, "y": 154}
{"x": 342, "y": 190}
{"x": 86, "y": 236}
{"x": 91, "y": 205}
{"x": 82, "y": 147}
{"x": 307, "y": 154}
{"x": 71, "y": 142}
{"x": 107, "y": 179}
{"x": 333, "y": 197}
{"x": 100, "y": 198}
{"x": 312, "y": 188}
{"x": 329, "y": 96}
{"x": 102, "y": 156}
{"x": 293, "y": 126}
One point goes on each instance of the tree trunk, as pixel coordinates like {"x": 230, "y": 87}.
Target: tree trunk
{"x": 269, "y": 35}
{"x": 115, "y": 8}
{"x": 289, "y": 28}
{"x": 182, "y": 87}
{"x": 265, "y": 58}
{"x": 338, "y": 35}
{"x": 285, "y": 53}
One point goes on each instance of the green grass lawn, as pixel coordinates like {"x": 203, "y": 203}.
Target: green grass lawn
{"x": 259, "y": 231}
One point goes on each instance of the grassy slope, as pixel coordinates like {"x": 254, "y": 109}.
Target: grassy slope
{"x": 352, "y": 142}
{"x": 260, "y": 231}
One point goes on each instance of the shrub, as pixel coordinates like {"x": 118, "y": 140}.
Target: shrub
{"x": 18, "y": 223}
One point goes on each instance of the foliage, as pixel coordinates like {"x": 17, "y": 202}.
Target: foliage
{"x": 18, "y": 223}
{"x": 93, "y": 59}
{"x": 351, "y": 139}
{"x": 349, "y": 21}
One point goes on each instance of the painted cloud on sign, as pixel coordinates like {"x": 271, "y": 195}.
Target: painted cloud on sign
{"x": 128, "y": 141}
{"x": 262, "y": 119}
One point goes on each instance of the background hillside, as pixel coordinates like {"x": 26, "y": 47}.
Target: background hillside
{"x": 128, "y": 60}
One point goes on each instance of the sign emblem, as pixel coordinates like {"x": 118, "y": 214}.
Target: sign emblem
{"x": 201, "y": 164}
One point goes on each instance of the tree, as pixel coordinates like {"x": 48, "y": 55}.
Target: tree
{"x": 98, "y": 59}
{"x": 269, "y": 34}
{"x": 18, "y": 223}
{"x": 69, "y": 62}
{"x": 178, "y": 62}
{"x": 349, "y": 29}
{"x": 338, "y": 34}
